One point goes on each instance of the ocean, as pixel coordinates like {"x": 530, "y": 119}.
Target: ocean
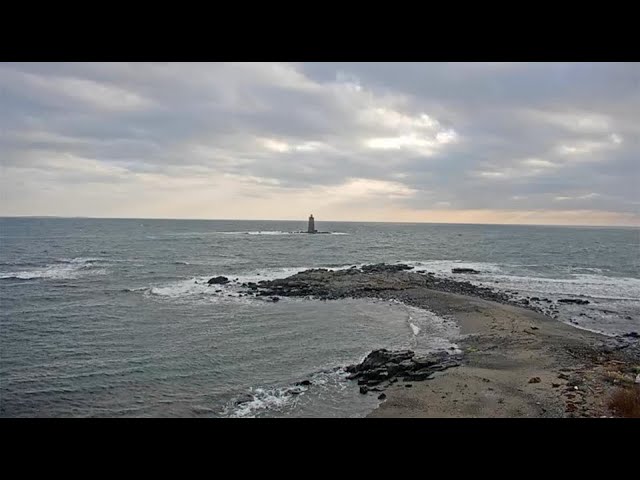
{"x": 113, "y": 317}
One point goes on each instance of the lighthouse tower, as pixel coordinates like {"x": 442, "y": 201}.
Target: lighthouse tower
{"x": 312, "y": 226}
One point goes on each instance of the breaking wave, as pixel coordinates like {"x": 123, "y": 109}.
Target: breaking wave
{"x": 260, "y": 400}
{"x": 63, "y": 269}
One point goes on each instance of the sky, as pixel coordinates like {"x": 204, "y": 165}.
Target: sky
{"x": 516, "y": 143}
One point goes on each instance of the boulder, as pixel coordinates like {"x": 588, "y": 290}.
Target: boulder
{"x": 218, "y": 280}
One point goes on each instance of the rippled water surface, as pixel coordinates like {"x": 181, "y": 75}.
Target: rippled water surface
{"x": 114, "y": 317}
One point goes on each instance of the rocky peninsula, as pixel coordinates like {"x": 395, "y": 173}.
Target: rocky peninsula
{"x": 517, "y": 359}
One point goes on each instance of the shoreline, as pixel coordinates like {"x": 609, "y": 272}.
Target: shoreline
{"x": 517, "y": 360}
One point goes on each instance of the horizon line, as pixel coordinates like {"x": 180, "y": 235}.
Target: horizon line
{"x": 329, "y": 221}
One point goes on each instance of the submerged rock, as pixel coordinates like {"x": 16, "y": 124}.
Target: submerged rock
{"x": 576, "y": 301}
{"x": 464, "y": 270}
{"x": 383, "y": 267}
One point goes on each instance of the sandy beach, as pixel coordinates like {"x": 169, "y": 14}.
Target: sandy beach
{"x": 517, "y": 363}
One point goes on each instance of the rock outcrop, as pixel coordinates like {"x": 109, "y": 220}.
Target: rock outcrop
{"x": 576, "y": 301}
{"x": 218, "y": 280}
{"x": 388, "y": 366}
{"x": 464, "y": 270}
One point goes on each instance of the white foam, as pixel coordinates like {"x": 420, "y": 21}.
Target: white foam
{"x": 431, "y": 332}
{"x": 618, "y": 296}
{"x": 593, "y": 285}
{"x": 335, "y": 377}
{"x": 586, "y": 285}
{"x": 414, "y": 328}
{"x": 444, "y": 267}
{"x": 68, "y": 269}
{"x": 277, "y": 398}
{"x": 267, "y": 399}
{"x": 185, "y": 288}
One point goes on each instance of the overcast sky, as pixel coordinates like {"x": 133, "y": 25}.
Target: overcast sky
{"x": 473, "y": 143}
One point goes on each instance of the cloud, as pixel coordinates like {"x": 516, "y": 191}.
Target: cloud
{"x": 428, "y": 142}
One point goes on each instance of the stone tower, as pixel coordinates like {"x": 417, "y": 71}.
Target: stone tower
{"x": 312, "y": 226}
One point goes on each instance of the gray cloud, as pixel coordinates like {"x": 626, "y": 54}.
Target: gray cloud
{"x": 397, "y": 137}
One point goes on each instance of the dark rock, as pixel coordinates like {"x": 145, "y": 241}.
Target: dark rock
{"x": 275, "y": 299}
{"x": 218, "y": 280}
{"x": 575, "y": 382}
{"x": 383, "y": 267}
{"x": 218, "y": 291}
{"x": 304, "y": 383}
{"x": 535, "y": 299}
{"x": 244, "y": 398}
{"x": 408, "y": 385}
{"x": 378, "y": 358}
{"x": 384, "y": 365}
{"x": 364, "y": 389}
{"x": 632, "y": 335}
{"x": 576, "y": 301}
{"x": 464, "y": 270}
{"x": 535, "y": 380}
{"x": 382, "y": 396}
